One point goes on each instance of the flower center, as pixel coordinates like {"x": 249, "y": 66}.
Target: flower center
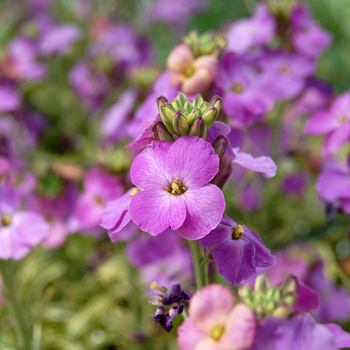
{"x": 342, "y": 119}
{"x": 176, "y": 188}
{"x": 237, "y": 231}
{"x": 237, "y": 88}
{"x": 284, "y": 69}
{"x": 189, "y": 71}
{"x": 5, "y": 220}
{"x": 217, "y": 332}
{"x": 99, "y": 200}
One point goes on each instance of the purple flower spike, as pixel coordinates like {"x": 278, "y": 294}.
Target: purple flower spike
{"x": 173, "y": 178}
{"x": 238, "y": 250}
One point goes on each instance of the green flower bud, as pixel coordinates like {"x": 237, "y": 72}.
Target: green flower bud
{"x": 161, "y": 133}
{"x": 188, "y": 107}
{"x": 274, "y": 294}
{"x": 289, "y": 285}
{"x": 290, "y": 298}
{"x": 161, "y": 100}
{"x": 204, "y": 106}
{"x": 193, "y": 116}
{"x": 197, "y": 103}
{"x": 181, "y": 97}
{"x": 262, "y": 284}
{"x": 260, "y": 309}
{"x": 199, "y": 128}
{"x": 210, "y": 115}
{"x": 216, "y": 101}
{"x": 176, "y": 104}
{"x": 244, "y": 292}
{"x": 220, "y": 145}
{"x": 180, "y": 124}
{"x": 167, "y": 112}
{"x": 270, "y": 306}
{"x": 281, "y": 311}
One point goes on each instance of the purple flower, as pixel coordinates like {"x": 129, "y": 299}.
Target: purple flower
{"x": 335, "y": 123}
{"x": 308, "y": 38}
{"x": 215, "y": 323}
{"x": 100, "y": 187}
{"x": 295, "y": 184}
{"x": 334, "y": 303}
{"x": 238, "y": 251}
{"x": 297, "y": 333}
{"x": 243, "y": 100}
{"x": 9, "y": 99}
{"x": 342, "y": 338}
{"x": 19, "y": 230}
{"x": 114, "y": 123}
{"x": 246, "y": 33}
{"x": 59, "y": 39}
{"x": 90, "y": 84}
{"x": 283, "y": 74}
{"x": 173, "y": 178}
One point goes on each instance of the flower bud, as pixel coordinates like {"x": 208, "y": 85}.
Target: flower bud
{"x": 216, "y": 101}
{"x": 167, "y": 112}
{"x": 197, "y": 103}
{"x": 204, "y": 106}
{"x": 191, "y": 117}
{"x": 181, "y": 97}
{"x": 289, "y": 285}
{"x": 281, "y": 311}
{"x": 220, "y": 145}
{"x": 210, "y": 115}
{"x": 161, "y": 100}
{"x": 262, "y": 284}
{"x": 290, "y": 298}
{"x": 188, "y": 107}
{"x": 180, "y": 124}
{"x": 274, "y": 294}
{"x": 176, "y": 104}
{"x": 199, "y": 128}
{"x": 161, "y": 133}
{"x": 244, "y": 292}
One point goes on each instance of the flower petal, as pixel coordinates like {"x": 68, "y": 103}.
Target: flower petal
{"x": 189, "y": 336}
{"x": 321, "y": 123}
{"x": 149, "y": 168}
{"x": 204, "y": 209}
{"x": 154, "y": 211}
{"x": 192, "y": 161}
{"x": 210, "y": 307}
{"x": 336, "y": 139}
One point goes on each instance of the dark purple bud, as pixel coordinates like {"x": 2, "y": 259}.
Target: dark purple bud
{"x": 225, "y": 171}
{"x": 199, "y": 128}
{"x": 180, "y": 124}
{"x": 161, "y": 133}
{"x": 220, "y": 145}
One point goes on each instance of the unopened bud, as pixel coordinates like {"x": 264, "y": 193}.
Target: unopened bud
{"x": 204, "y": 106}
{"x": 290, "y": 298}
{"x": 181, "y": 97}
{"x": 281, "y": 311}
{"x": 167, "y": 112}
{"x": 220, "y": 145}
{"x": 161, "y": 100}
{"x": 161, "y": 133}
{"x": 210, "y": 115}
{"x": 270, "y": 306}
{"x": 216, "y": 101}
{"x": 176, "y": 104}
{"x": 191, "y": 117}
{"x": 289, "y": 285}
{"x": 260, "y": 309}
{"x": 197, "y": 103}
{"x": 199, "y": 128}
{"x": 274, "y": 294}
{"x": 262, "y": 284}
{"x": 180, "y": 124}
{"x": 244, "y": 292}
{"x": 188, "y": 107}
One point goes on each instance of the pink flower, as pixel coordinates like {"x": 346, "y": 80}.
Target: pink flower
{"x": 214, "y": 323}
{"x": 194, "y": 74}
{"x": 175, "y": 190}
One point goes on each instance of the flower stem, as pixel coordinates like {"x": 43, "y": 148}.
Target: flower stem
{"x": 200, "y": 270}
{"x": 14, "y": 306}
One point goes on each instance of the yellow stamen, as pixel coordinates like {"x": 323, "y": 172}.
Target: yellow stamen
{"x": 176, "y": 188}
{"x": 217, "y": 332}
{"x": 99, "y": 200}
{"x": 154, "y": 285}
{"x": 189, "y": 71}
{"x": 284, "y": 69}
{"x": 134, "y": 191}
{"x": 238, "y": 88}
{"x": 5, "y": 220}
{"x": 342, "y": 119}
{"x": 237, "y": 232}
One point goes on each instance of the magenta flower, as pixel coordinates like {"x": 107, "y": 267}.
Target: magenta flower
{"x": 19, "y": 230}
{"x": 308, "y": 38}
{"x": 100, "y": 187}
{"x": 238, "y": 251}
{"x": 246, "y": 33}
{"x": 9, "y": 98}
{"x": 335, "y": 123}
{"x": 173, "y": 178}
{"x": 215, "y": 323}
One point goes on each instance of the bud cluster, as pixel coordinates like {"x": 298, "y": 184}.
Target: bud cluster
{"x": 281, "y": 8}
{"x": 181, "y": 117}
{"x": 206, "y": 44}
{"x": 266, "y": 300}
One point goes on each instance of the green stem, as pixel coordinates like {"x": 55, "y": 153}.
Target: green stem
{"x": 200, "y": 270}
{"x": 15, "y": 308}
